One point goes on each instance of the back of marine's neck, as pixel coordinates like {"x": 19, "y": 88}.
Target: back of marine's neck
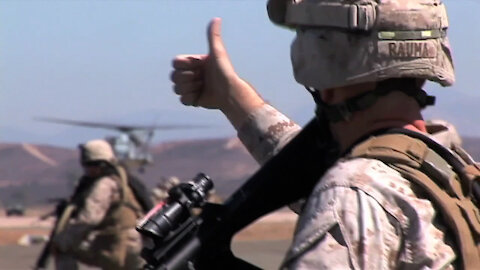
{"x": 349, "y": 132}
{"x": 395, "y": 109}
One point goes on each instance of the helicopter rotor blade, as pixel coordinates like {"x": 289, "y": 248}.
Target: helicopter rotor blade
{"x": 119, "y": 127}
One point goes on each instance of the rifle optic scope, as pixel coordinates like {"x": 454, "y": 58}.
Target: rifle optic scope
{"x": 167, "y": 216}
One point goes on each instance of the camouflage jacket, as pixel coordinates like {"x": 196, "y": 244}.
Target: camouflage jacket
{"x": 81, "y": 230}
{"x": 361, "y": 215}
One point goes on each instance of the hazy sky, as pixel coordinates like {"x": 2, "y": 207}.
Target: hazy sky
{"x": 110, "y": 61}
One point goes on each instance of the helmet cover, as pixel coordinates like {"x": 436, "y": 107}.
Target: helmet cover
{"x": 341, "y": 42}
{"x": 97, "y": 150}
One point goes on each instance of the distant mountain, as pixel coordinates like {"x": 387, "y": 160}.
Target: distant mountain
{"x": 456, "y": 107}
{"x": 226, "y": 161}
{"x": 33, "y": 173}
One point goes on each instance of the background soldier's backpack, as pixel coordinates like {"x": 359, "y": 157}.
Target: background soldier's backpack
{"x": 140, "y": 192}
{"x": 451, "y": 180}
{"x": 138, "y": 188}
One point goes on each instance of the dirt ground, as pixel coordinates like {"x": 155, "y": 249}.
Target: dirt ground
{"x": 264, "y": 254}
{"x": 263, "y": 243}
{"x": 277, "y": 226}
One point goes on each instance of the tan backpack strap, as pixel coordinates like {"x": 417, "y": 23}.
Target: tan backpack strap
{"x": 435, "y": 166}
{"x": 392, "y": 148}
{"x": 471, "y": 210}
{"x": 415, "y": 161}
{"x": 122, "y": 174}
{"x": 453, "y": 214}
{"x": 472, "y": 171}
{"x": 63, "y": 219}
{"x": 402, "y": 149}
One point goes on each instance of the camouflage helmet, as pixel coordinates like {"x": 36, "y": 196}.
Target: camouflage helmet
{"x": 444, "y": 132}
{"x": 344, "y": 42}
{"x": 97, "y": 150}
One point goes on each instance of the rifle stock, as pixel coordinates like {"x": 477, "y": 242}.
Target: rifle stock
{"x": 206, "y": 243}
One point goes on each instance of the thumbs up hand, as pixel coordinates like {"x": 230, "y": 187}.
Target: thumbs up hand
{"x": 210, "y": 80}
{"x": 203, "y": 80}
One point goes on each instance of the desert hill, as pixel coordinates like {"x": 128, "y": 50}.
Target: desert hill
{"x": 30, "y": 174}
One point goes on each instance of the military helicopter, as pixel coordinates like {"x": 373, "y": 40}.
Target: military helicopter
{"x": 132, "y": 145}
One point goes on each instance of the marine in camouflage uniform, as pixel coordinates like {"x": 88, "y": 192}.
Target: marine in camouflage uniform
{"x": 98, "y": 226}
{"x": 349, "y": 221}
{"x": 365, "y": 63}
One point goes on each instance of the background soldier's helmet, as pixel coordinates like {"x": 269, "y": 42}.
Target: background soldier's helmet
{"x": 344, "y": 42}
{"x": 97, "y": 150}
{"x": 445, "y": 132}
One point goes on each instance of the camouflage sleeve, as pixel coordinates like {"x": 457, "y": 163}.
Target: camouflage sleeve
{"x": 266, "y": 131}
{"x": 364, "y": 215}
{"x": 350, "y": 230}
{"x": 104, "y": 192}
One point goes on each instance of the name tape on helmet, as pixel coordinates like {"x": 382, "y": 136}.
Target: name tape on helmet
{"x": 407, "y": 49}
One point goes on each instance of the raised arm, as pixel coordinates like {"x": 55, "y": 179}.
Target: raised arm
{"x": 210, "y": 81}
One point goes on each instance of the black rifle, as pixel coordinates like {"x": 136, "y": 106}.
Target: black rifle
{"x": 176, "y": 239}
{"x": 60, "y": 204}
{"x": 42, "y": 260}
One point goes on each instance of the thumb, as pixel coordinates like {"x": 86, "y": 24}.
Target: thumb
{"x": 215, "y": 42}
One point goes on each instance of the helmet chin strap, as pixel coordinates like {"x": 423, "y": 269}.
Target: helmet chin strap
{"x": 344, "y": 110}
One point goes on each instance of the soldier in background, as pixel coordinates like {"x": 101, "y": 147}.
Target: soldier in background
{"x": 160, "y": 192}
{"x": 97, "y": 226}
{"x": 214, "y": 197}
{"x": 445, "y": 133}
